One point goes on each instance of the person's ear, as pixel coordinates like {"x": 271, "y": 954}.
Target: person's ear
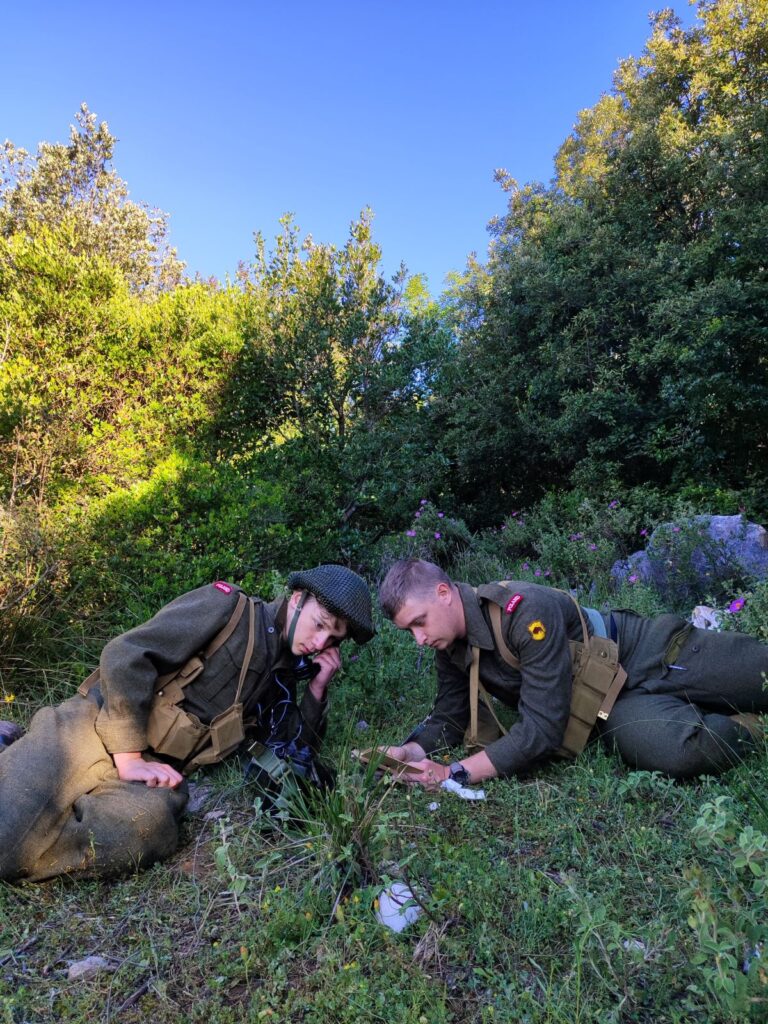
{"x": 444, "y": 593}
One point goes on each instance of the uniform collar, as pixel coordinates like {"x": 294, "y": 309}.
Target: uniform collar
{"x": 478, "y": 632}
{"x": 276, "y": 613}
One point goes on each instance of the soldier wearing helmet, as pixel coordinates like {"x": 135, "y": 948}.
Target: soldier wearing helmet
{"x": 97, "y": 784}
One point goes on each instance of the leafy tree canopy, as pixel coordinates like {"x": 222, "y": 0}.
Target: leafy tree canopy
{"x": 618, "y": 331}
{"x": 74, "y": 186}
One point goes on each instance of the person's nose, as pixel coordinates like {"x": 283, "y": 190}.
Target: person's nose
{"x": 321, "y": 641}
{"x": 420, "y": 637}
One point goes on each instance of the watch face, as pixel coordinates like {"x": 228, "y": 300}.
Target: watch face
{"x": 459, "y": 773}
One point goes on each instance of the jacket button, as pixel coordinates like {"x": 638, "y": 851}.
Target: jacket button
{"x": 695, "y": 648}
{"x": 270, "y": 629}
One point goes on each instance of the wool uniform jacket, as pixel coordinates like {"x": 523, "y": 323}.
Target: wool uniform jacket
{"x": 132, "y": 662}
{"x": 537, "y": 624}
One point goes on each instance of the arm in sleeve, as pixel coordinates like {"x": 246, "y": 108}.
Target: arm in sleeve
{"x": 446, "y": 723}
{"x": 537, "y": 632}
{"x": 131, "y": 663}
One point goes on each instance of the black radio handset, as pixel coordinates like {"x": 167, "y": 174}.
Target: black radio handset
{"x": 304, "y": 668}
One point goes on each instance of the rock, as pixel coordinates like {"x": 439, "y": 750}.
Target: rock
{"x": 705, "y": 617}
{"x": 9, "y": 733}
{"x": 635, "y": 946}
{"x": 87, "y": 968}
{"x": 397, "y": 907}
{"x": 690, "y": 558}
{"x": 198, "y": 797}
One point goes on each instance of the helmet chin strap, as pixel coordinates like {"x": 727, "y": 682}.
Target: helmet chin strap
{"x": 295, "y": 619}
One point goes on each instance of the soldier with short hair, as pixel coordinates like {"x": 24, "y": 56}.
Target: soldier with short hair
{"x": 96, "y": 786}
{"x": 668, "y": 696}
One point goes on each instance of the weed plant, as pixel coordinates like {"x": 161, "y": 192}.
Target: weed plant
{"x": 588, "y": 893}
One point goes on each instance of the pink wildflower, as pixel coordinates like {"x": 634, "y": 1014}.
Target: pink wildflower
{"x": 410, "y": 533}
{"x": 423, "y": 501}
{"x": 737, "y": 605}
{"x": 633, "y": 578}
{"x": 525, "y": 566}
{"x": 438, "y": 535}
{"x": 537, "y": 572}
{"x": 441, "y": 515}
{"x": 613, "y": 504}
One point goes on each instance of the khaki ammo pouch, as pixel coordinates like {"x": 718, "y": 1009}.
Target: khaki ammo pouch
{"x": 597, "y": 681}
{"x": 174, "y": 732}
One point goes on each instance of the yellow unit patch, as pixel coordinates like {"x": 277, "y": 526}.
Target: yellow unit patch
{"x": 537, "y": 630}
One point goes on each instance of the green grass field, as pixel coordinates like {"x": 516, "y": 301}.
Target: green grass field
{"x": 587, "y": 893}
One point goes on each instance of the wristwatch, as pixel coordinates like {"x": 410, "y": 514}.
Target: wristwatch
{"x": 459, "y": 773}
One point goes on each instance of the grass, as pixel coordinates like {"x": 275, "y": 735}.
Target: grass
{"x": 587, "y": 894}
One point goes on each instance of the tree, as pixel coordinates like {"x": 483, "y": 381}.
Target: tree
{"x": 618, "y": 330}
{"x": 74, "y": 185}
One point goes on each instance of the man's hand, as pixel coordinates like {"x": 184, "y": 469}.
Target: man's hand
{"x": 408, "y": 752}
{"x": 329, "y": 661}
{"x": 430, "y": 774}
{"x": 131, "y": 767}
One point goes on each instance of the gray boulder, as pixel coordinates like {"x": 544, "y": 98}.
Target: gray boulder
{"x": 690, "y": 558}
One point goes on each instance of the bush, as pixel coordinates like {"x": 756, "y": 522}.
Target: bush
{"x": 191, "y": 523}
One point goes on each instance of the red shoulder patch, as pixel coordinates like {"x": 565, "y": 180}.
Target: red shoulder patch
{"x": 225, "y": 588}
{"x": 512, "y": 603}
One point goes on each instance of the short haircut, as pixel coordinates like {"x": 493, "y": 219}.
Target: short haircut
{"x": 406, "y": 578}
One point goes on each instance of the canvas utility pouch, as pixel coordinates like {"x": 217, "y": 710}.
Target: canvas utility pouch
{"x": 227, "y": 732}
{"x": 173, "y": 732}
{"x": 597, "y": 681}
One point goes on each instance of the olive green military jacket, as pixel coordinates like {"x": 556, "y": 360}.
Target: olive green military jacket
{"x": 131, "y": 663}
{"x": 537, "y": 623}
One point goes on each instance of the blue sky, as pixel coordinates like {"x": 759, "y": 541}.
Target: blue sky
{"x": 232, "y": 114}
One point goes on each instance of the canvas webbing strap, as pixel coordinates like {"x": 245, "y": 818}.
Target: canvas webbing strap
{"x": 219, "y": 640}
{"x": 88, "y": 683}
{"x": 476, "y": 688}
{"x": 227, "y": 731}
{"x": 248, "y": 649}
{"x": 174, "y": 682}
{"x": 613, "y": 692}
{"x": 501, "y": 644}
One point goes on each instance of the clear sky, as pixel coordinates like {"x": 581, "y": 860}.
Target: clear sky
{"x": 230, "y": 114}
